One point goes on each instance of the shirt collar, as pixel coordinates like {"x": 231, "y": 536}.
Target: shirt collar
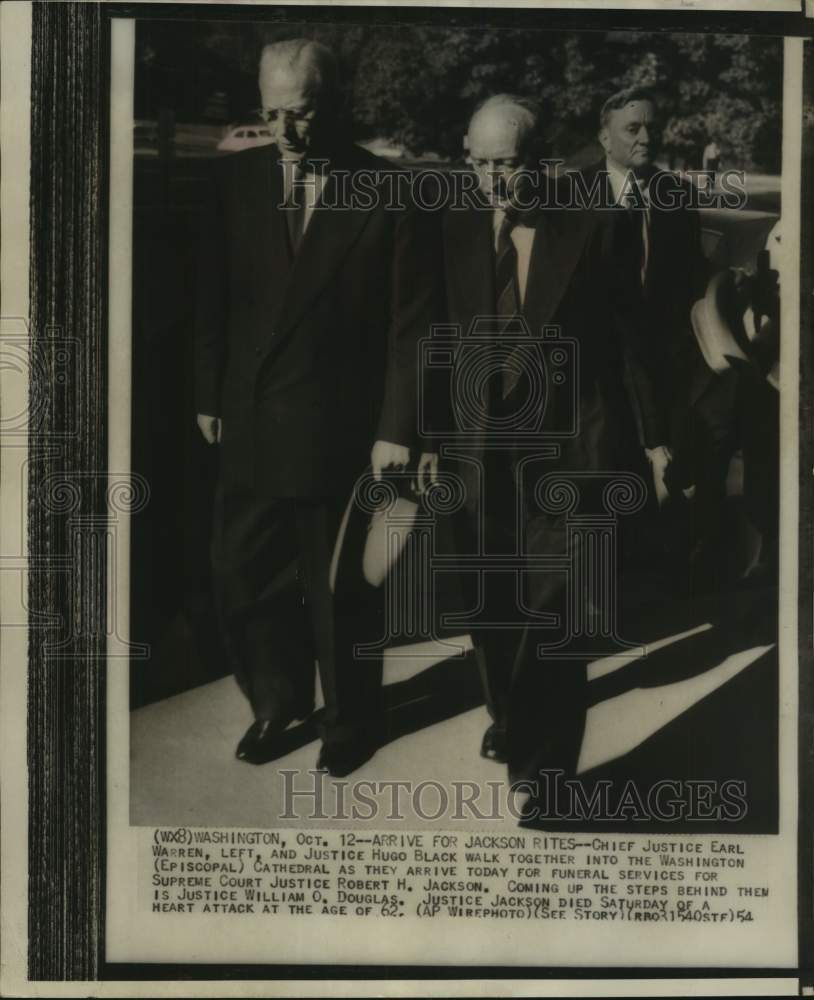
{"x": 620, "y": 181}
{"x": 298, "y": 168}
{"x": 519, "y": 219}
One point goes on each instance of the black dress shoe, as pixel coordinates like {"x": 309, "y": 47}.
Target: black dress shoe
{"x": 262, "y": 742}
{"x": 494, "y": 745}
{"x": 304, "y": 710}
{"x": 339, "y": 759}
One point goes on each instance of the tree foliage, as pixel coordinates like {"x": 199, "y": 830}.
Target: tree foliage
{"x": 417, "y": 84}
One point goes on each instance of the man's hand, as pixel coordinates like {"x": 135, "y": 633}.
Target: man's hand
{"x": 427, "y": 471}
{"x": 659, "y": 458}
{"x": 386, "y": 455}
{"x": 210, "y": 428}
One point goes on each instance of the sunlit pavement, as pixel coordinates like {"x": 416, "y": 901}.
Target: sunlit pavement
{"x": 672, "y": 715}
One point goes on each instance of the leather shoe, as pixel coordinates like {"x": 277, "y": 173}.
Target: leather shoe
{"x": 304, "y": 710}
{"x": 261, "y": 742}
{"x": 494, "y": 745}
{"x": 339, "y": 759}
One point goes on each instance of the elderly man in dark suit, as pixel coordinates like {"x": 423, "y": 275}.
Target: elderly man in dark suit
{"x": 652, "y": 248}
{"x": 309, "y": 308}
{"x": 508, "y": 256}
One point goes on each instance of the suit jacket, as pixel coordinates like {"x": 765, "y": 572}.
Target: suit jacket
{"x": 566, "y": 287}
{"x": 658, "y": 310}
{"x": 308, "y": 360}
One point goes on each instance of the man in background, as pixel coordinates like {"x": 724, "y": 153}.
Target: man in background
{"x": 308, "y": 315}
{"x": 711, "y": 161}
{"x": 652, "y": 251}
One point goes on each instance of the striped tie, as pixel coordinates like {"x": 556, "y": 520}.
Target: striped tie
{"x": 507, "y": 293}
{"x": 507, "y": 301}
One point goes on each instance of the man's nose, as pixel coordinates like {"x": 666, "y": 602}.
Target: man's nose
{"x": 498, "y": 173}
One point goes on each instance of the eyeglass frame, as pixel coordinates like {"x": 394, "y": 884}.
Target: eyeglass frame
{"x": 296, "y": 117}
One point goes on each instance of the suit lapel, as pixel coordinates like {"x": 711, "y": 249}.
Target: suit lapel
{"x": 271, "y": 253}
{"x": 559, "y": 239}
{"x": 470, "y": 259}
{"x": 330, "y": 234}
{"x": 657, "y": 238}
{"x": 596, "y": 178}
{"x": 558, "y": 242}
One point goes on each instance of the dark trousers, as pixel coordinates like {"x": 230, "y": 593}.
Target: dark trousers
{"x": 271, "y": 562}
{"x": 539, "y": 699}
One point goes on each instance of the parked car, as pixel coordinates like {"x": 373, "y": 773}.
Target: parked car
{"x": 733, "y": 237}
{"x": 384, "y": 147}
{"x": 245, "y": 137}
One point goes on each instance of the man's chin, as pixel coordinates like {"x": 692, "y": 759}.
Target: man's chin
{"x": 496, "y": 199}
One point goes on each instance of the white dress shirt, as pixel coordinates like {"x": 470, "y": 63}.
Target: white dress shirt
{"x": 313, "y": 185}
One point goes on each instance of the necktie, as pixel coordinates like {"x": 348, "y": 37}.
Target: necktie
{"x": 628, "y": 246}
{"x": 507, "y": 295}
{"x": 294, "y": 206}
{"x": 507, "y": 301}
{"x": 635, "y": 236}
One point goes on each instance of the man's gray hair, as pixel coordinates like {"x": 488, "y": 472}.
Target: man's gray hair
{"x": 528, "y": 115}
{"x": 313, "y": 59}
{"x": 623, "y": 97}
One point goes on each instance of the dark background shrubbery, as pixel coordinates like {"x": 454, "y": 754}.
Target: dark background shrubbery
{"x": 417, "y": 84}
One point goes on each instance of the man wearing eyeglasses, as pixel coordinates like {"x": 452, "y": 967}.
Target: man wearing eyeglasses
{"x": 517, "y": 414}
{"x": 310, "y": 308}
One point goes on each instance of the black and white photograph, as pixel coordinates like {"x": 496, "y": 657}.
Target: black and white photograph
{"x": 416, "y": 560}
{"x": 455, "y": 470}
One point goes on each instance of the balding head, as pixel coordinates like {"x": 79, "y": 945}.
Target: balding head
{"x": 301, "y": 62}
{"x": 298, "y": 88}
{"x": 503, "y": 119}
{"x": 502, "y": 139}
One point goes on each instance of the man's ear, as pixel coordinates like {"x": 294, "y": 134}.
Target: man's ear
{"x": 604, "y": 138}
